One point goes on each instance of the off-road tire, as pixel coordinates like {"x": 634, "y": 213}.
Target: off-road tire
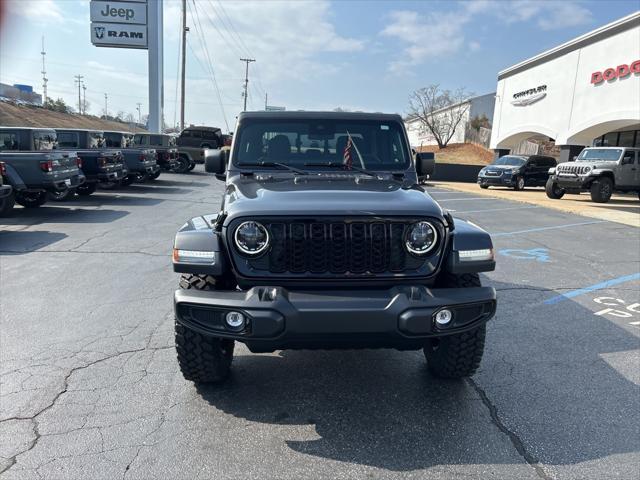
{"x": 191, "y": 166}
{"x": 61, "y": 196}
{"x": 6, "y": 204}
{"x": 553, "y": 191}
{"x": 153, "y": 176}
{"x": 202, "y": 359}
{"x": 459, "y": 355}
{"x": 128, "y": 180}
{"x": 484, "y": 187}
{"x": 601, "y": 190}
{"x": 517, "y": 186}
{"x": 183, "y": 165}
{"x": 86, "y": 189}
{"x": 32, "y": 200}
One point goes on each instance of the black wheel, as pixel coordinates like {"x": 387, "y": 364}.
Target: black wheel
{"x": 458, "y": 355}
{"x": 182, "y": 164}
{"x": 86, "y": 189}
{"x": 61, "y": 196}
{"x": 484, "y": 187}
{"x": 6, "y": 204}
{"x": 601, "y": 190}
{"x": 191, "y": 166}
{"x": 31, "y": 199}
{"x": 155, "y": 175}
{"x": 519, "y": 185}
{"x": 202, "y": 359}
{"x": 553, "y": 190}
{"x": 128, "y": 180}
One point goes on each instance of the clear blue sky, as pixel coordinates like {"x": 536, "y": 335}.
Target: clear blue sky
{"x": 363, "y": 55}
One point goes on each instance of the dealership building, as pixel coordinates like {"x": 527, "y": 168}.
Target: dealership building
{"x": 582, "y": 93}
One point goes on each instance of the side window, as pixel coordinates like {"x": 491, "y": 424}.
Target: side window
{"x": 68, "y": 140}
{"x": 155, "y": 140}
{"x": 628, "y": 158}
{"x": 9, "y": 141}
{"x": 44, "y": 140}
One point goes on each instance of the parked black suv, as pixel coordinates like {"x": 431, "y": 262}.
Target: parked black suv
{"x": 517, "y": 171}
{"x": 324, "y": 239}
{"x": 200, "y": 137}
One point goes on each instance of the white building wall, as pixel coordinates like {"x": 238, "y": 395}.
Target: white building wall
{"x": 573, "y": 111}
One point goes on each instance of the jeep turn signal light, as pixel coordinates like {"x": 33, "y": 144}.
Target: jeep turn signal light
{"x": 476, "y": 255}
{"x": 193, "y": 256}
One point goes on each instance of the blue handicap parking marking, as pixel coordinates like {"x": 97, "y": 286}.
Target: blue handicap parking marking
{"x": 537, "y": 254}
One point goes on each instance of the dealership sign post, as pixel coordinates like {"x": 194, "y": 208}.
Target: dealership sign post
{"x": 134, "y": 24}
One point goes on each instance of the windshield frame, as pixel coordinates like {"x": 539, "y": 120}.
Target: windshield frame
{"x": 600, "y": 159}
{"x": 235, "y": 166}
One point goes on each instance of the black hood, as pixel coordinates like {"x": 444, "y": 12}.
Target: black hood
{"x": 339, "y": 195}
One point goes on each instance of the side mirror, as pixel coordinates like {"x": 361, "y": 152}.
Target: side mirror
{"x": 215, "y": 161}
{"x": 425, "y": 163}
{"x": 575, "y": 157}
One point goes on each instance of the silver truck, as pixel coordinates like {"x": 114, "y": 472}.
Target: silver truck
{"x": 598, "y": 170}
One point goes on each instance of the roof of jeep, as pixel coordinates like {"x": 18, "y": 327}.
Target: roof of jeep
{"x": 302, "y": 115}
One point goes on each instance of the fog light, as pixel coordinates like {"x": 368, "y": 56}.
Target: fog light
{"x": 235, "y": 320}
{"x": 443, "y": 317}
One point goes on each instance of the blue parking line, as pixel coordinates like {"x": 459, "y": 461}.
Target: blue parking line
{"x": 542, "y": 229}
{"x": 592, "y": 288}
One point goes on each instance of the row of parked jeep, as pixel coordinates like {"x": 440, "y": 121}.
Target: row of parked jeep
{"x": 41, "y": 164}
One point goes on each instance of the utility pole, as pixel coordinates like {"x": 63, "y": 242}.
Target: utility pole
{"x": 265, "y": 101}
{"x": 44, "y": 75}
{"x": 84, "y": 99}
{"x": 246, "y": 79}
{"x": 106, "y": 110}
{"x": 139, "y": 114}
{"x": 78, "y": 80}
{"x": 185, "y": 29}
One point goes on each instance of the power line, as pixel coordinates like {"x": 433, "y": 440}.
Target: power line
{"x": 203, "y": 42}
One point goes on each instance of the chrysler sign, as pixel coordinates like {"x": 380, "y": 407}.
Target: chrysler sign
{"x": 120, "y": 24}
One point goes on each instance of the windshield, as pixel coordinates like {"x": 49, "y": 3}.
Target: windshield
{"x": 312, "y": 144}
{"x": 507, "y": 160}
{"x": 113, "y": 140}
{"x": 607, "y": 154}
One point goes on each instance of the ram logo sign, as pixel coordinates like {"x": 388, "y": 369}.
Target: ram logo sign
{"x": 115, "y": 35}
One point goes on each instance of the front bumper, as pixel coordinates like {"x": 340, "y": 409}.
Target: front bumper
{"x": 400, "y": 317}
{"x": 572, "y": 182}
{"x": 5, "y": 191}
{"x": 506, "y": 181}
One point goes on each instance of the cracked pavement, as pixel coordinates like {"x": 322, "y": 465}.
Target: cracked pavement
{"x": 90, "y": 388}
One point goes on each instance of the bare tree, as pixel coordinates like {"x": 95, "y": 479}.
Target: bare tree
{"x": 440, "y": 111}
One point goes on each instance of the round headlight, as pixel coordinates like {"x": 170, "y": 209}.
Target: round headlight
{"x": 251, "y": 238}
{"x": 421, "y": 238}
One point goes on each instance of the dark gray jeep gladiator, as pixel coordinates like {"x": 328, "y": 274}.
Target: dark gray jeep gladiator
{"x": 34, "y": 168}
{"x": 141, "y": 162}
{"x": 325, "y": 239}
{"x": 598, "y": 170}
{"x": 101, "y": 166}
{"x": 165, "y": 147}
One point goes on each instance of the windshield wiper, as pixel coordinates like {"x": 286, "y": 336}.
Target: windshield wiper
{"x": 274, "y": 164}
{"x": 340, "y": 165}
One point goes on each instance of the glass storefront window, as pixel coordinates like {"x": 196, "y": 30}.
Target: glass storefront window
{"x": 610, "y": 139}
{"x": 626, "y": 138}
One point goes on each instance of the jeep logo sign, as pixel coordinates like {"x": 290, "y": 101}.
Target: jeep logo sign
{"x": 610, "y": 74}
{"x": 119, "y": 12}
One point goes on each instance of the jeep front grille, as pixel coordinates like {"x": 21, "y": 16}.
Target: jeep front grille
{"x": 329, "y": 248}
{"x": 574, "y": 169}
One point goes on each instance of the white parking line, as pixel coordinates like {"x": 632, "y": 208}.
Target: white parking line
{"x": 494, "y": 209}
{"x": 466, "y": 199}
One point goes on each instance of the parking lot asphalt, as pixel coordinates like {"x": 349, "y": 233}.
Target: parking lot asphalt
{"x": 90, "y": 387}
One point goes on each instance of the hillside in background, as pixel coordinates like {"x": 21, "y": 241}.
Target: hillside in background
{"x": 26, "y": 116}
{"x": 461, "y": 153}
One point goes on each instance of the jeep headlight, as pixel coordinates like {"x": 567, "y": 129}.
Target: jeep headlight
{"x": 421, "y": 238}
{"x": 251, "y": 238}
